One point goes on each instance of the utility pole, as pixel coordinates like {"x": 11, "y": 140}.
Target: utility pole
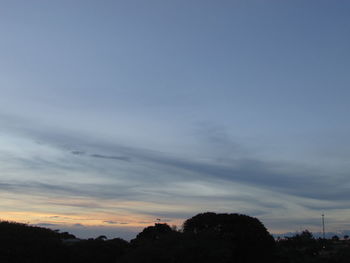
{"x": 324, "y": 236}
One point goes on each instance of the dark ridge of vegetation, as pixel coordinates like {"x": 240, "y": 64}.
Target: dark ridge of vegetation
{"x": 206, "y": 237}
{"x": 23, "y": 243}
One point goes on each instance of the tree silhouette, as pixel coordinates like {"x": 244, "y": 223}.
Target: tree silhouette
{"x": 245, "y": 237}
{"x": 153, "y": 232}
{"x": 206, "y": 238}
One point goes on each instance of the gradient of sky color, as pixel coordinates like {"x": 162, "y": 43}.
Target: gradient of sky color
{"x": 115, "y": 113}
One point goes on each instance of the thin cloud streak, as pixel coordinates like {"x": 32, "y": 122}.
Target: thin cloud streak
{"x": 292, "y": 179}
{"x": 101, "y": 156}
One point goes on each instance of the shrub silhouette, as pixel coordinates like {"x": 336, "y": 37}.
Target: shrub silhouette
{"x": 153, "y": 233}
{"x": 23, "y": 243}
{"x": 242, "y": 238}
{"x": 206, "y": 237}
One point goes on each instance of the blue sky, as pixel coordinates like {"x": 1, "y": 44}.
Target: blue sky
{"x": 115, "y": 113}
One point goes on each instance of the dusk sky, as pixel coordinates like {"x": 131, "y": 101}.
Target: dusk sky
{"x": 116, "y": 113}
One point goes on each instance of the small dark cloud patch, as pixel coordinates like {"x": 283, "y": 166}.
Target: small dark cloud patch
{"x": 111, "y": 222}
{"x": 102, "y": 156}
{"x": 78, "y": 225}
{"x": 78, "y": 152}
{"x": 47, "y": 224}
{"x": 120, "y": 158}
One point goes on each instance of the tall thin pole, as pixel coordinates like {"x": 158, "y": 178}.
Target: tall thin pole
{"x": 324, "y": 236}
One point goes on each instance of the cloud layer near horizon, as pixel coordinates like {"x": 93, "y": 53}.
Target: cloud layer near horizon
{"x": 90, "y": 175}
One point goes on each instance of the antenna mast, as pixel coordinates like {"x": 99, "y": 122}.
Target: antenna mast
{"x": 324, "y": 236}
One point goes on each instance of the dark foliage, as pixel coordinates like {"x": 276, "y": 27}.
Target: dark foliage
{"x": 23, "y": 243}
{"x": 207, "y": 237}
{"x": 304, "y": 248}
{"x": 241, "y": 238}
{"x": 20, "y": 243}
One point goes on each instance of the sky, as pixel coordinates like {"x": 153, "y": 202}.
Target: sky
{"x": 116, "y": 113}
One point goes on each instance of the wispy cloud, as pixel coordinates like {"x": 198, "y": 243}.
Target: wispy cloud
{"x": 120, "y": 158}
{"x": 101, "y": 156}
{"x": 163, "y": 168}
{"x": 111, "y": 222}
{"x": 99, "y": 169}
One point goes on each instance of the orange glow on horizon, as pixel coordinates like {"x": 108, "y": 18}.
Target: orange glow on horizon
{"x": 70, "y": 211}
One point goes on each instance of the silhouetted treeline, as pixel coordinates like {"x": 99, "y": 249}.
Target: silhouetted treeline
{"x": 207, "y": 237}
{"x": 304, "y": 247}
